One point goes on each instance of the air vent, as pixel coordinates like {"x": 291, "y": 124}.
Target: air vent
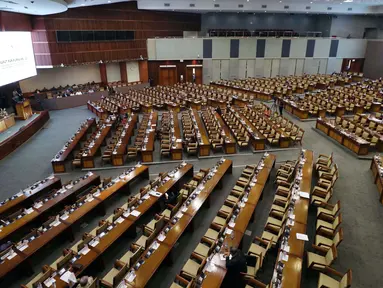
{"x": 349, "y": 9}
{"x": 329, "y": 8}
{"x": 216, "y": 5}
{"x": 286, "y": 7}
{"x": 264, "y": 6}
{"x": 308, "y": 7}
{"x": 240, "y": 5}
{"x": 191, "y": 5}
{"x": 167, "y": 4}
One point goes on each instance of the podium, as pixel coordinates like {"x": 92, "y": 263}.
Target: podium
{"x": 7, "y": 122}
{"x": 24, "y": 109}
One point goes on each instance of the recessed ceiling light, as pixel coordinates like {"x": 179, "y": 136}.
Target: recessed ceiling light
{"x": 82, "y": 4}
{"x": 265, "y": 11}
{"x": 109, "y": 1}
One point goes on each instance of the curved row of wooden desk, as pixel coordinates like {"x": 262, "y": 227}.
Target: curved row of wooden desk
{"x": 376, "y": 168}
{"x": 65, "y": 225}
{"x": 292, "y": 271}
{"x": 214, "y": 277}
{"x": 203, "y": 142}
{"x": 28, "y": 195}
{"x": 357, "y": 145}
{"x": 58, "y": 163}
{"x": 128, "y": 224}
{"x": 151, "y": 264}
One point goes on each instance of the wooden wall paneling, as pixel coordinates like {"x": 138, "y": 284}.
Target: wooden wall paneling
{"x": 123, "y": 72}
{"x": 143, "y": 68}
{"x": 103, "y": 75}
{"x": 15, "y": 22}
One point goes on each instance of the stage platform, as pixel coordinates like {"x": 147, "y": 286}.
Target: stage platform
{"x": 21, "y": 132}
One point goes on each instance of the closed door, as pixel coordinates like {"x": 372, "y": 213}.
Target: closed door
{"x": 168, "y": 76}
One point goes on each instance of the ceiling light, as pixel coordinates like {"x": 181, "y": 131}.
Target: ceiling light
{"x": 348, "y": 1}
{"x": 265, "y": 11}
{"x": 109, "y": 1}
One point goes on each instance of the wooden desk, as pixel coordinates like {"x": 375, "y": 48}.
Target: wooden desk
{"x": 38, "y": 214}
{"x": 176, "y": 149}
{"x": 24, "y": 109}
{"x": 26, "y": 198}
{"x": 214, "y": 278}
{"x": 151, "y": 264}
{"x": 7, "y": 122}
{"x": 257, "y": 140}
{"x": 87, "y": 160}
{"x": 203, "y": 142}
{"x": 378, "y": 179}
{"x": 129, "y": 222}
{"x": 356, "y": 144}
{"x": 147, "y": 151}
{"x": 97, "y": 110}
{"x": 292, "y": 108}
{"x": 229, "y": 144}
{"x": 117, "y": 157}
{"x": 58, "y": 163}
{"x": 292, "y": 271}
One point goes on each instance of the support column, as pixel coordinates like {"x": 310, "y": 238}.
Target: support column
{"x": 123, "y": 72}
{"x": 144, "y": 74}
{"x": 103, "y": 75}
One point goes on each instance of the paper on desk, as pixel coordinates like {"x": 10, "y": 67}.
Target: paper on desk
{"x": 283, "y": 257}
{"x": 90, "y": 199}
{"x": 242, "y": 205}
{"x": 22, "y": 247}
{"x": 84, "y": 250}
{"x": 155, "y": 194}
{"x": 303, "y": 237}
{"x": 64, "y": 217}
{"x": 55, "y": 223}
{"x": 69, "y": 186}
{"x": 135, "y": 213}
{"x": 94, "y": 243}
{"x": 29, "y": 211}
{"x": 286, "y": 248}
{"x": 146, "y": 196}
{"x": 228, "y": 231}
{"x": 38, "y": 205}
{"x": 97, "y": 194}
{"x": 120, "y": 220}
{"x": 222, "y": 257}
{"x": 231, "y": 224}
{"x": 19, "y": 194}
{"x": 155, "y": 245}
{"x": 179, "y": 141}
{"x": 184, "y": 208}
{"x": 126, "y": 214}
{"x": 66, "y": 276}
{"x": 131, "y": 277}
{"x": 161, "y": 237}
{"x": 11, "y": 256}
{"x": 49, "y": 282}
{"x": 304, "y": 195}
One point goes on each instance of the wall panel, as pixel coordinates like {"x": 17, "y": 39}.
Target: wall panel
{"x": 216, "y": 70}
{"x": 273, "y": 48}
{"x": 225, "y": 69}
{"x": 334, "y": 65}
{"x": 233, "y": 69}
{"x": 221, "y": 48}
{"x": 322, "y": 66}
{"x": 250, "y": 66}
{"x": 248, "y": 48}
{"x": 299, "y": 67}
{"x": 298, "y": 48}
{"x": 207, "y": 70}
{"x": 48, "y": 78}
{"x": 113, "y": 72}
{"x": 352, "y": 48}
{"x": 322, "y": 48}
{"x": 311, "y": 66}
{"x": 258, "y": 70}
{"x": 242, "y": 70}
{"x": 287, "y": 67}
{"x": 275, "y": 67}
{"x": 133, "y": 71}
{"x": 267, "y": 68}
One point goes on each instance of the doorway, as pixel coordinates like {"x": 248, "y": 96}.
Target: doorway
{"x": 168, "y": 75}
{"x": 353, "y": 65}
{"x": 194, "y": 74}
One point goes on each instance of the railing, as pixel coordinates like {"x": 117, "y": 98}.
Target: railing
{"x": 261, "y": 33}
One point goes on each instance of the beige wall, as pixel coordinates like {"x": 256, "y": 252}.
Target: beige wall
{"x": 63, "y": 76}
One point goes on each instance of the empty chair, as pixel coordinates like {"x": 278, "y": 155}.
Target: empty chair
{"x": 326, "y": 281}
{"x": 326, "y": 242}
{"x": 319, "y": 262}
{"x": 328, "y": 228}
{"x": 132, "y": 255}
{"x": 180, "y": 282}
{"x": 328, "y": 211}
{"x": 193, "y": 266}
